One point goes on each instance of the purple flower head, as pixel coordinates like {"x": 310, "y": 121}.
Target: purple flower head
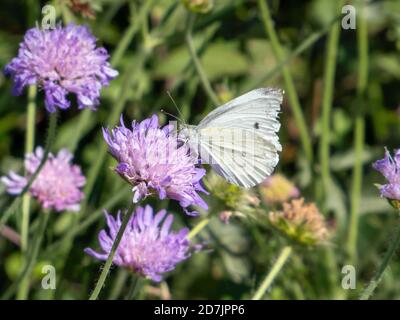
{"x": 390, "y": 168}
{"x": 151, "y": 161}
{"x": 147, "y": 247}
{"x": 58, "y": 184}
{"x": 62, "y": 61}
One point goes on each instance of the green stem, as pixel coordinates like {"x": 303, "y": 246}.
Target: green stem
{"x": 82, "y": 125}
{"x": 189, "y": 70}
{"x": 49, "y": 142}
{"x": 136, "y": 284}
{"x": 109, "y": 261}
{"x": 289, "y": 83}
{"x": 359, "y": 132}
{"x": 23, "y": 290}
{"x": 332, "y": 273}
{"x": 67, "y": 15}
{"x": 199, "y": 68}
{"x": 306, "y": 44}
{"x": 119, "y": 283}
{"x": 327, "y": 98}
{"x": 136, "y": 22}
{"x": 276, "y": 268}
{"x": 200, "y": 226}
{"x": 30, "y": 127}
{"x": 367, "y": 293}
{"x": 29, "y": 143}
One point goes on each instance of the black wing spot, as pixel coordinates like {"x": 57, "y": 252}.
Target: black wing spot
{"x": 256, "y": 125}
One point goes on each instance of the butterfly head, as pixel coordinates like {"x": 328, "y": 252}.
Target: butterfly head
{"x": 186, "y": 133}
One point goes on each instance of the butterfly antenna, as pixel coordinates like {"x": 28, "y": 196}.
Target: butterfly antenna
{"x": 179, "y": 111}
{"x": 170, "y": 114}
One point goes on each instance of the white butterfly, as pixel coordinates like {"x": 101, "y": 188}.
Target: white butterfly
{"x": 239, "y": 139}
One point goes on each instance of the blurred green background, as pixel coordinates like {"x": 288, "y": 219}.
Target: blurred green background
{"x": 345, "y": 97}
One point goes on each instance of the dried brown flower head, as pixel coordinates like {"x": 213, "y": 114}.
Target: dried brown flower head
{"x": 301, "y": 222}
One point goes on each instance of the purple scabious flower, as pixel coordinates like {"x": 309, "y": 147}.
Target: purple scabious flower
{"x": 57, "y": 185}
{"x": 147, "y": 247}
{"x": 151, "y": 161}
{"x": 390, "y": 168}
{"x": 62, "y": 61}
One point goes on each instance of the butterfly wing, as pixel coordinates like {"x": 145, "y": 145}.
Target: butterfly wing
{"x": 239, "y": 139}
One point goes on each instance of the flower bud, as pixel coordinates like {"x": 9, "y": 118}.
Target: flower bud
{"x": 301, "y": 222}
{"x": 232, "y": 201}
{"x": 394, "y": 203}
{"x": 84, "y": 7}
{"x": 277, "y": 189}
{"x": 224, "y": 94}
{"x": 199, "y": 6}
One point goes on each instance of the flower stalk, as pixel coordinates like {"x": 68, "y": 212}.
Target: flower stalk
{"x": 376, "y": 279}
{"x": 29, "y": 145}
{"x": 327, "y": 99}
{"x": 359, "y": 132}
{"x": 276, "y": 268}
{"x": 289, "y": 83}
{"x": 23, "y": 290}
{"x": 106, "y": 268}
{"x": 199, "y": 68}
{"x": 198, "y": 228}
